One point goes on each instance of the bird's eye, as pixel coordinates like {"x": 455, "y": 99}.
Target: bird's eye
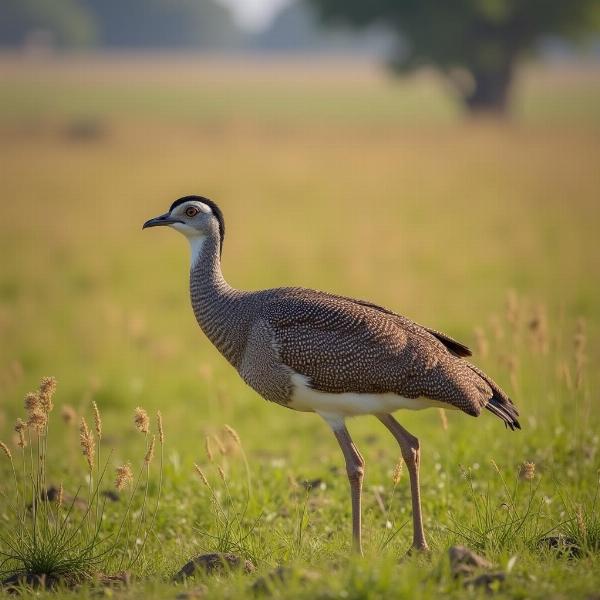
{"x": 191, "y": 211}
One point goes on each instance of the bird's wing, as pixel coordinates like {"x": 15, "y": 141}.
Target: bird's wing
{"x": 453, "y": 346}
{"x": 342, "y": 345}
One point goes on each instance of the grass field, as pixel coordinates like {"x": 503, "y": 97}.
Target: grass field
{"x": 330, "y": 176}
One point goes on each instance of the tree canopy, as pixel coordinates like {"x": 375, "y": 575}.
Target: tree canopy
{"x": 483, "y": 38}
{"x": 124, "y": 23}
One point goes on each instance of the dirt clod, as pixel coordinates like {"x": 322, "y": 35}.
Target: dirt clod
{"x": 464, "y": 561}
{"x": 215, "y": 563}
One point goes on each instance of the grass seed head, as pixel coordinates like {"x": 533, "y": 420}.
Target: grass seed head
{"x": 219, "y": 444}
{"x": 201, "y": 475}
{"x": 208, "y": 449}
{"x": 481, "y": 342}
{"x": 159, "y": 426}
{"x": 150, "y": 453}
{"x": 233, "y": 434}
{"x": 579, "y": 517}
{"x": 512, "y": 309}
{"x": 538, "y": 327}
{"x": 37, "y": 420}
{"x": 527, "y": 471}
{"x": 141, "y": 420}
{"x": 20, "y": 427}
{"x": 46, "y": 392}
{"x": 68, "y": 414}
{"x": 88, "y": 445}
{"x": 97, "y": 420}
{"x": 32, "y": 402}
{"x": 397, "y": 472}
{"x": 6, "y": 450}
{"x": 124, "y": 476}
{"x": 60, "y": 497}
{"x": 221, "y": 473}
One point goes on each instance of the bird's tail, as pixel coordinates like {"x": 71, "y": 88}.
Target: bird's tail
{"x": 500, "y": 404}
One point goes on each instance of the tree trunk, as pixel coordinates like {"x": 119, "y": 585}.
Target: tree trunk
{"x": 490, "y": 93}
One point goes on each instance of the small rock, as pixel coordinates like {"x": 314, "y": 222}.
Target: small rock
{"x": 111, "y": 495}
{"x": 215, "y": 563}
{"x": 122, "y": 579}
{"x": 564, "y": 545}
{"x": 14, "y": 584}
{"x": 490, "y": 581}
{"x": 313, "y": 484}
{"x": 464, "y": 561}
{"x": 52, "y": 493}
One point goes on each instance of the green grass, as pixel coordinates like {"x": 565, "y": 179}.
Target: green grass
{"x": 336, "y": 179}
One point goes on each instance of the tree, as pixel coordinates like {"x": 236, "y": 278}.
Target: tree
{"x": 66, "y": 21}
{"x": 163, "y": 23}
{"x": 483, "y": 39}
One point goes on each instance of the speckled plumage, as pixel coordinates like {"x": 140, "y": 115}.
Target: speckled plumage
{"x": 339, "y": 344}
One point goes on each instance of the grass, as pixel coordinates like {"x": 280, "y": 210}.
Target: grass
{"x": 333, "y": 178}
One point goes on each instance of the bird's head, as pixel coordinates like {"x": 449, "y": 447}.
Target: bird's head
{"x": 194, "y": 216}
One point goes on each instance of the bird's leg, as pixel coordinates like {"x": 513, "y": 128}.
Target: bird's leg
{"x": 355, "y": 467}
{"x": 409, "y": 446}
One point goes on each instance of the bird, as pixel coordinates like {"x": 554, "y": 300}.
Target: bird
{"x": 332, "y": 355}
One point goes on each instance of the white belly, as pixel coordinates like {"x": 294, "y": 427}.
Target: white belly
{"x": 349, "y": 404}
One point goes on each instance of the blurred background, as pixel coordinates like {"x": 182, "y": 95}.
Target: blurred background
{"x": 436, "y": 158}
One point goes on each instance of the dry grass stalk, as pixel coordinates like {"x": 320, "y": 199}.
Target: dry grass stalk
{"x": 397, "y": 472}
{"x": 60, "y": 496}
{"x": 20, "y": 427}
{"x": 233, "y": 435}
{"x": 150, "y": 453}
{"x": 159, "y": 426}
{"x": 201, "y": 475}
{"x": 6, "y": 450}
{"x": 124, "y": 476}
{"x": 538, "y": 326}
{"x": 443, "y": 418}
{"x": 564, "y": 373}
{"x": 481, "y": 342}
{"x": 97, "y": 420}
{"x": 512, "y": 310}
{"x": 208, "y": 449}
{"x": 527, "y": 471}
{"x": 581, "y": 526}
{"x": 511, "y": 363}
{"x": 495, "y": 465}
{"x": 141, "y": 420}
{"x": 496, "y": 328}
{"x": 46, "y": 393}
{"x": 88, "y": 445}
{"x": 580, "y": 343}
{"x": 68, "y": 414}
{"x": 219, "y": 444}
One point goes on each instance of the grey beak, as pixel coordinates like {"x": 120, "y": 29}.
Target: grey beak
{"x": 165, "y": 219}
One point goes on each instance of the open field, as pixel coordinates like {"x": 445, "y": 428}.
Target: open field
{"x": 330, "y": 176}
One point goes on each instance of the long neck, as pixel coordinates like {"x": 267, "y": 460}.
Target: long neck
{"x": 215, "y": 303}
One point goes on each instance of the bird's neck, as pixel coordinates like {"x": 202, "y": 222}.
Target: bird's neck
{"x": 214, "y": 301}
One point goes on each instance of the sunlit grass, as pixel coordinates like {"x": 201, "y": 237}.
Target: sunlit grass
{"x": 350, "y": 184}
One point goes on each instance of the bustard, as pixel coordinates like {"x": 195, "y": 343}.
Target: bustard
{"x": 335, "y": 356}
